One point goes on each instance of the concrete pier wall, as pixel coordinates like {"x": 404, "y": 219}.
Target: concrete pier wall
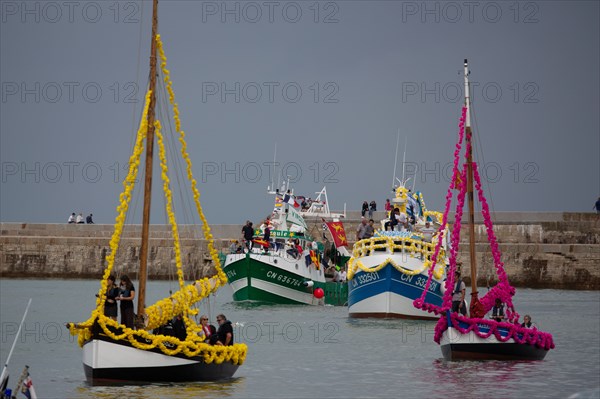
{"x": 539, "y": 250}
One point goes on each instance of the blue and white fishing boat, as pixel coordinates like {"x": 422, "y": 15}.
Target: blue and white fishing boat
{"x": 388, "y": 271}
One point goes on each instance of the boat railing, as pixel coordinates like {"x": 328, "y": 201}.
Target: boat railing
{"x": 397, "y": 245}
{"x": 281, "y": 251}
{"x": 413, "y": 246}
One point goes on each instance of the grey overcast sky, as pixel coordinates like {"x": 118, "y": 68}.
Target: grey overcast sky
{"x": 329, "y": 82}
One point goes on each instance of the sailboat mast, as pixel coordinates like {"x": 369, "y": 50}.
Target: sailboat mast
{"x": 143, "y": 270}
{"x": 469, "y": 134}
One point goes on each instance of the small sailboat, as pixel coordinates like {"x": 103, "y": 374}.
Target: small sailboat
{"x": 475, "y": 337}
{"x": 287, "y": 270}
{"x": 24, "y": 383}
{"x": 115, "y": 353}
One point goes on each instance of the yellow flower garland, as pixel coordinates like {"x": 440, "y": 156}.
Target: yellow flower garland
{"x": 205, "y": 226}
{"x": 412, "y": 246}
{"x": 83, "y": 329}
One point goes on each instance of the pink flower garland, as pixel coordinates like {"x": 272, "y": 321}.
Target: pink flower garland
{"x": 521, "y": 335}
{"x": 455, "y": 242}
{"x": 503, "y": 289}
{"x": 420, "y": 302}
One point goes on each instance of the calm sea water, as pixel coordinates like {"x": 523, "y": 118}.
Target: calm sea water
{"x": 312, "y": 352}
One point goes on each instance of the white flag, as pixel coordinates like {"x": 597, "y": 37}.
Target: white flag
{"x": 295, "y": 217}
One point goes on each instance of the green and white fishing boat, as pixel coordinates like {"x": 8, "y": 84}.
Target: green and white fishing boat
{"x": 279, "y": 272}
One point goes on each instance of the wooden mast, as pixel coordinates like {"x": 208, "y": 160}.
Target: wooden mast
{"x": 143, "y": 271}
{"x": 469, "y": 134}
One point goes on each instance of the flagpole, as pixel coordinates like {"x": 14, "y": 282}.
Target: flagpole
{"x": 274, "y": 171}
{"x": 4, "y": 370}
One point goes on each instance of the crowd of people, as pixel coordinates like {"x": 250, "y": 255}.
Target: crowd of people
{"x": 293, "y": 246}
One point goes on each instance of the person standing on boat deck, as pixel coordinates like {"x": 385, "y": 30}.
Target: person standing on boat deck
{"x": 458, "y": 296}
{"x": 372, "y": 208}
{"x": 498, "y": 310}
{"x": 361, "y": 229}
{"x": 89, "y": 220}
{"x": 597, "y": 206}
{"x": 267, "y": 237}
{"x": 225, "y": 331}
{"x": 71, "y": 219}
{"x": 365, "y": 208}
{"x": 112, "y": 292}
{"x": 247, "y": 234}
{"x": 388, "y": 205}
{"x": 126, "y": 298}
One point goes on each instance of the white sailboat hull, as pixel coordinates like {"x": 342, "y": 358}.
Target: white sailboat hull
{"x": 469, "y": 346}
{"x": 107, "y": 361}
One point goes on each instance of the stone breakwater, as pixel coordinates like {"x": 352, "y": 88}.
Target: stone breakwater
{"x": 539, "y": 250}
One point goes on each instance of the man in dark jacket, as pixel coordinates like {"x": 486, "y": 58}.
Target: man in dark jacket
{"x": 247, "y": 234}
{"x": 225, "y": 331}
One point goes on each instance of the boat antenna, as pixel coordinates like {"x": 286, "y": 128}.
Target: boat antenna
{"x": 403, "y": 156}
{"x": 278, "y": 175}
{"x": 469, "y": 138}
{"x": 396, "y": 159}
{"x": 143, "y": 270}
{"x": 4, "y": 370}
{"x": 273, "y": 176}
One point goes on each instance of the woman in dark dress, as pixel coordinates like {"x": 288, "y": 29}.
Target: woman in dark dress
{"x": 126, "y": 298}
{"x": 112, "y": 292}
